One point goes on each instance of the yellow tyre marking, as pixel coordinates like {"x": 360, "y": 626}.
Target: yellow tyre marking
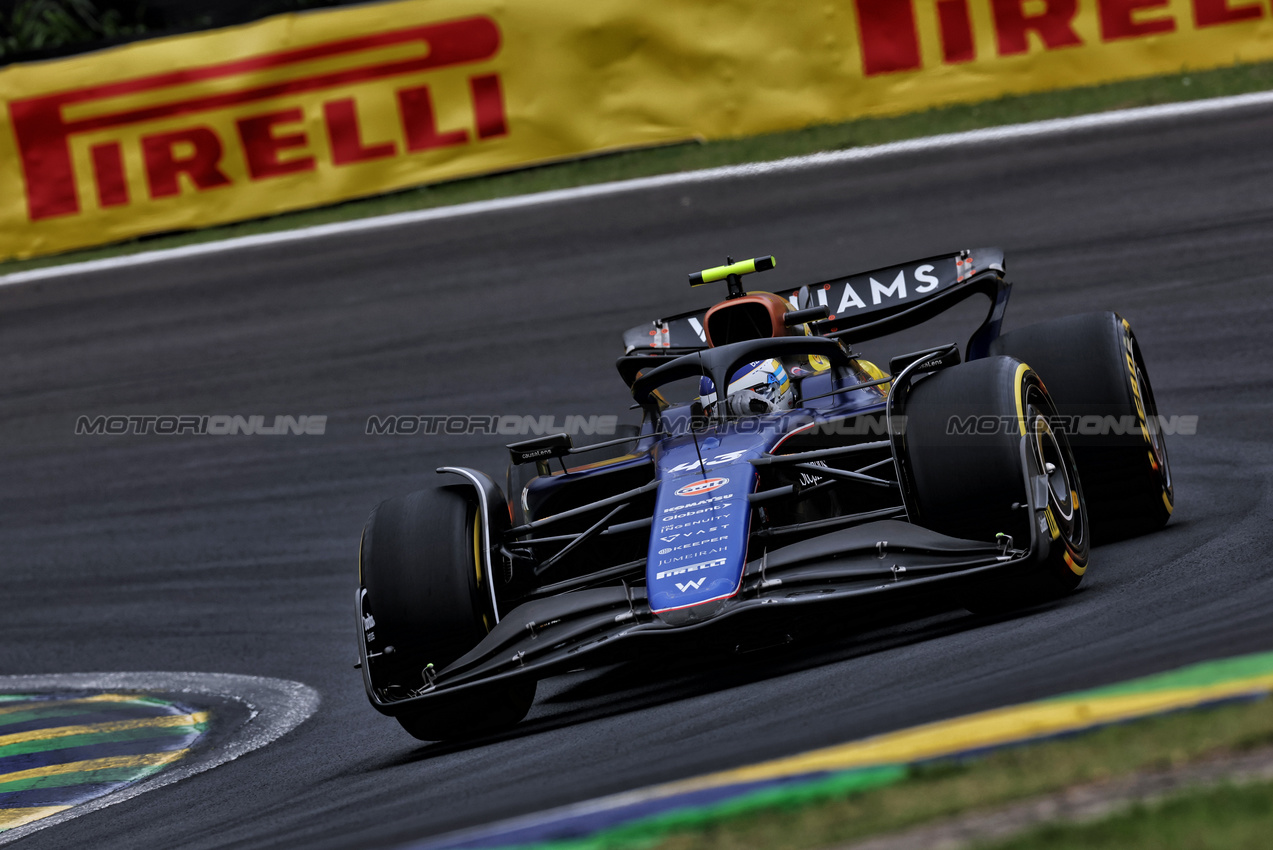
{"x": 1021, "y": 370}
{"x": 477, "y": 548}
{"x": 1142, "y": 418}
{"x": 1052, "y": 526}
{"x": 477, "y": 563}
{"x": 1141, "y": 415}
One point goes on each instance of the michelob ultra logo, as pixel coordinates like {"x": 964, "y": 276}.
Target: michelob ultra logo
{"x": 186, "y": 151}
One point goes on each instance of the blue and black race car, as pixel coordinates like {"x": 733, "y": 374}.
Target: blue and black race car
{"x": 777, "y": 479}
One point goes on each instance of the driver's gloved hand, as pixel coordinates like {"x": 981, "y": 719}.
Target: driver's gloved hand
{"x": 748, "y": 403}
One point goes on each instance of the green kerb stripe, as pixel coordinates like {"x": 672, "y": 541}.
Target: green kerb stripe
{"x": 1196, "y": 676}
{"x": 47, "y": 745}
{"x": 155, "y": 701}
{"x": 56, "y": 709}
{"x": 647, "y": 831}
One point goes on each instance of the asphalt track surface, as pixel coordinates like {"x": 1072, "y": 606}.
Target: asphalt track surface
{"x": 237, "y": 554}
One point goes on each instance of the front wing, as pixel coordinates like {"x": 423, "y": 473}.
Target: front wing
{"x": 873, "y": 564}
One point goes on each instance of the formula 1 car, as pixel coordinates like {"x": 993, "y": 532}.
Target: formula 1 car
{"x": 791, "y": 481}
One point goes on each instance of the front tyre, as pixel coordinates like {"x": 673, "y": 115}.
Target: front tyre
{"x": 967, "y": 475}
{"x": 426, "y": 598}
{"x": 1094, "y": 371}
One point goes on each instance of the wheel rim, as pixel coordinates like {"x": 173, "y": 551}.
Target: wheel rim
{"x": 1053, "y": 460}
{"x": 1061, "y": 493}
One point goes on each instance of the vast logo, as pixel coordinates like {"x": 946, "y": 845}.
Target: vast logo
{"x": 270, "y": 143}
{"x": 698, "y": 488}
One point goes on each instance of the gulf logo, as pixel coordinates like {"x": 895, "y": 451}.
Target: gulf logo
{"x": 698, "y": 488}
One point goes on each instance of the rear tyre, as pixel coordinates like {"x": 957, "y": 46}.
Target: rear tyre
{"x": 428, "y": 596}
{"x": 970, "y": 482}
{"x": 1094, "y": 371}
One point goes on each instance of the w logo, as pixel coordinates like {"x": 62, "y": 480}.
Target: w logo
{"x": 697, "y": 584}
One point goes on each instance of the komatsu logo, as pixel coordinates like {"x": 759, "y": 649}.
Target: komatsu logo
{"x": 707, "y": 485}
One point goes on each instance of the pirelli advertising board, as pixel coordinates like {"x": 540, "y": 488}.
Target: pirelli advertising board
{"x": 304, "y": 110}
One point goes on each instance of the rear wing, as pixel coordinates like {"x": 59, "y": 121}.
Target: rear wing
{"x": 865, "y": 305}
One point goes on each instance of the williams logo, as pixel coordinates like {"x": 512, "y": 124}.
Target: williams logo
{"x": 698, "y": 488}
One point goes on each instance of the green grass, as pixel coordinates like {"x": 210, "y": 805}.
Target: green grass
{"x": 641, "y": 163}
{"x": 950, "y": 788}
{"x": 1225, "y": 818}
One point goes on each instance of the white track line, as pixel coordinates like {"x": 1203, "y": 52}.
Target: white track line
{"x": 276, "y": 707}
{"x": 1010, "y": 132}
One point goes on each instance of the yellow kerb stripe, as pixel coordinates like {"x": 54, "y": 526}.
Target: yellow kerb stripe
{"x": 11, "y": 818}
{"x": 164, "y": 722}
{"x": 987, "y": 729}
{"x": 149, "y": 760}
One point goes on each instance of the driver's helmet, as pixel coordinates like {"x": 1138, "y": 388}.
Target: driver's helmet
{"x": 757, "y": 388}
